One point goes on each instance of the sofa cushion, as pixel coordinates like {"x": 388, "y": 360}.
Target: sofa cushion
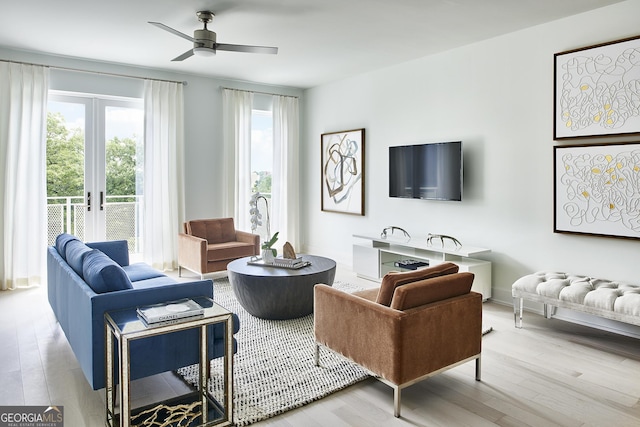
{"x": 431, "y": 290}
{"x": 117, "y": 250}
{"x": 61, "y": 243}
{"x": 213, "y": 230}
{"x": 153, "y": 282}
{"x": 75, "y": 252}
{"x": 103, "y": 274}
{"x": 392, "y": 280}
{"x": 141, "y": 271}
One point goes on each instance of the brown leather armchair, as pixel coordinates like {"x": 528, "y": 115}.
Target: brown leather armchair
{"x": 417, "y": 324}
{"x": 208, "y": 245}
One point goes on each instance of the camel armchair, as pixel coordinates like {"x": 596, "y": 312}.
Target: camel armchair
{"x": 416, "y": 325}
{"x": 208, "y": 245}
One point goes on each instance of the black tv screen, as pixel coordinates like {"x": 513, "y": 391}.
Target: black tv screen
{"x": 426, "y": 171}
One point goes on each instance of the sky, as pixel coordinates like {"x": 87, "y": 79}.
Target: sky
{"x": 261, "y": 141}
{"x": 120, "y": 122}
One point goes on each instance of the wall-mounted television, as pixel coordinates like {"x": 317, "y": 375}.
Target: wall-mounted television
{"x": 426, "y": 171}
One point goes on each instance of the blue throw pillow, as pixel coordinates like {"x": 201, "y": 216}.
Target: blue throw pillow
{"x": 103, "y": 274}
{"x": 61, "y": 243}
{"x": 75, "y": 251}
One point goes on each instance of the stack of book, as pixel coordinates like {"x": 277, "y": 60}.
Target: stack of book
{"x": 289, "y": 262}
{"x": 171, "y": 310}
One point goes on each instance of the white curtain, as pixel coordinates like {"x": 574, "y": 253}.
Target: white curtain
{"x": 236, "y": 118}
{"x": 23, "y": 194}
{"x": 285, "y": 206}
{"x": 163, "y": 173}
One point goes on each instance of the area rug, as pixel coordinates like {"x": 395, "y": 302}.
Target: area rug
{"x": 274, "y": 370}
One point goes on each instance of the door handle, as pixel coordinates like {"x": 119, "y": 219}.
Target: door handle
{"x": 102, "y": 200}
{"x": 89, "y": 200}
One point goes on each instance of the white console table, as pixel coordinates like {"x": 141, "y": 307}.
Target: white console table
{"x": 373, "y": 257}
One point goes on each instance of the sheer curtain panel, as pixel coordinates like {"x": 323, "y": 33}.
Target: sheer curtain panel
{"x": 236, "y": 117}
{"x": 23, "y": 120}
{"x": 285, "y": 216}
{"x": 163, "y": 173}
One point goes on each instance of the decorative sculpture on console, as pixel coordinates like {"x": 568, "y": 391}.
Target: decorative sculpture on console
{"x": 442, "y": 237}
{"x": 393, "y": 228}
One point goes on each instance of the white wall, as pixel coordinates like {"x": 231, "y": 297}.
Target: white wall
{"x": 497, "y": 97}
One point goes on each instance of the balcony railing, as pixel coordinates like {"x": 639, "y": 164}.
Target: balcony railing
{"x": 123, "y": 216}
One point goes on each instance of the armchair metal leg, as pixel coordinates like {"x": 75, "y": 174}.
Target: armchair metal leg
{"x": 396, "y": 401}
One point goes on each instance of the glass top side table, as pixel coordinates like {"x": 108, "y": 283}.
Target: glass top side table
{"x": 124, "y": 326}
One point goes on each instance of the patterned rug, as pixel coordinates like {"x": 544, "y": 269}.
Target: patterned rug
{"x": 273, "y": 369}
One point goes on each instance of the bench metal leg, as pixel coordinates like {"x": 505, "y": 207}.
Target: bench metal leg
{"x": 518, "y": 307}
{"x": 549, "y": 311}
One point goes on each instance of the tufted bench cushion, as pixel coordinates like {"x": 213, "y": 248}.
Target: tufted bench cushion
{"x": 606, "y": 298}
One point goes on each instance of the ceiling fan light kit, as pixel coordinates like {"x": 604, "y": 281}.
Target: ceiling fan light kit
{"x": 203, "y": 51}
{"x": 204, "y": 40}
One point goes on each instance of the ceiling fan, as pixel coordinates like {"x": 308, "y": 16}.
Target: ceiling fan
{"x": 204, "y": 41}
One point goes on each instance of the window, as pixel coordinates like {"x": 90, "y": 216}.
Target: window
{"x": 94, "y": 167}
{"x": 262, "y": 159}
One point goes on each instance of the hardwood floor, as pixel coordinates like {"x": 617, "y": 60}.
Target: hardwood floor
{"x": 551, "y": 373}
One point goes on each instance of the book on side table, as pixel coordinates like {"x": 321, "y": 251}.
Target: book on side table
{"x": 171, "y": 310}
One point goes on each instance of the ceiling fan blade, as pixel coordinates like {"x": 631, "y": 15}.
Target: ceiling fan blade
{"x": 245, "y": 48}
{"x": 184, "y": 56}
{"x": 171, "y": 30}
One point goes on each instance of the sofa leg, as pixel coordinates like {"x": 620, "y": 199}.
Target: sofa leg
{"x": 479, "y": 368}
{"x": 316, "y": 355}
{"x": 396, "y": 401}
{"x": 179, "y": 271}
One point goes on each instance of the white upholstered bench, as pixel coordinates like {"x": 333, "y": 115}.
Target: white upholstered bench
{"x": 605, "y": 298}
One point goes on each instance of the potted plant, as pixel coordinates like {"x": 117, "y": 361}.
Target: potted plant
{"x": 268, "y": 251}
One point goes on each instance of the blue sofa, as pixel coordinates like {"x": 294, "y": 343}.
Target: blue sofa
{"x": 87, "y": 280}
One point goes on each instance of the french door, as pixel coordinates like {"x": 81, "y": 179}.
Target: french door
{"x": 95, "y": 163}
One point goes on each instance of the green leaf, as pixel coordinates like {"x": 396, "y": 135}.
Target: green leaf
{"x": 267, "y": 245}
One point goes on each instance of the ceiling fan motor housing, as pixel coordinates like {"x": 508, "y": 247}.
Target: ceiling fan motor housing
{"x": 204, "y": 38}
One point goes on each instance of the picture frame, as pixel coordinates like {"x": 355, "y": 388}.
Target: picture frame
{"x": 597, "y": 189}
{"x": 342, "y": 171}
{"x": 596, "y": 90}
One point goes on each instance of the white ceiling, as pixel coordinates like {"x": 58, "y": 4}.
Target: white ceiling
{"x": 318, "y": 40}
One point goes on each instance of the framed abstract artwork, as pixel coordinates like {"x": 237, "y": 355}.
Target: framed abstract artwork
{"x": 342, "y": 171}
{"x": 597, "y": 189}
{"x": 597, "y": 90}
